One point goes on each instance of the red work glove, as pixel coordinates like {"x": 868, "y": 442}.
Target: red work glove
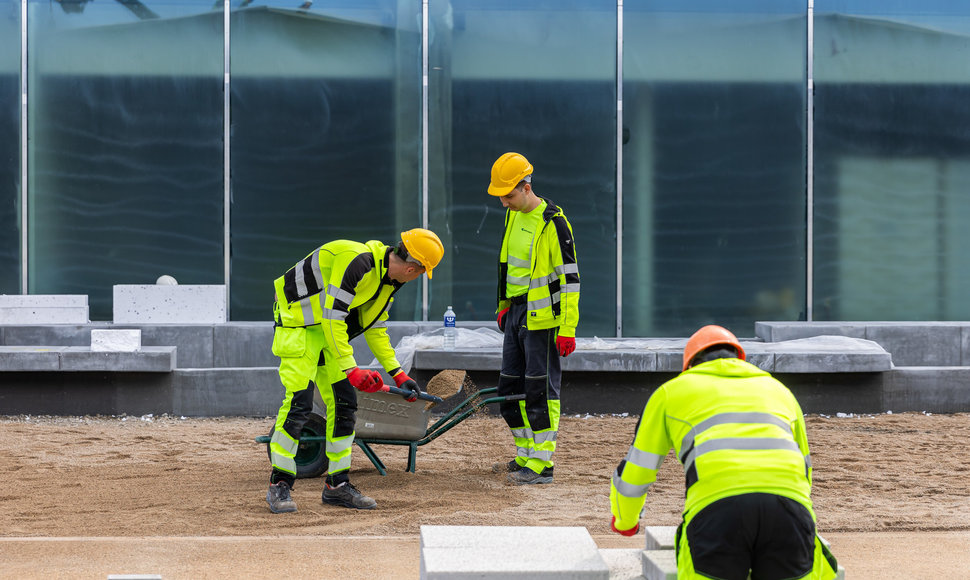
{"x": 501, "y": 319}
{"x": 407, "y": 383}
{"x": 629, "y": 533}
{"x": 566, "y": 345}
{"x": 367, "y": 381}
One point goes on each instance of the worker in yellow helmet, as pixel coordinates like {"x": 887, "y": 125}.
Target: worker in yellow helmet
{"x": 740, "y": 435}
{"x": 538, "y": 310}
{"x": 341, "y": 290}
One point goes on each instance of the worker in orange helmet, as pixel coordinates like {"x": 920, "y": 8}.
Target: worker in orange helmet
{"x": 740, "y": 435}
{"x": 538, "y": 310}
{"x": 341, "y": 290}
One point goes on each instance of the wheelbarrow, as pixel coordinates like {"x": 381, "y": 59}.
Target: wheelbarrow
{"x": 384, "y": 419}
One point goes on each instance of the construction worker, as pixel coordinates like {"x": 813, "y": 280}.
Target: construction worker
{"x": 740, "y": 435}
{"x": 341, "y": 290}
{"x": 538, "y": 310}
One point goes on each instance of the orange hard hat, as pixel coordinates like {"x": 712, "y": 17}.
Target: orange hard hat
{"x": 707, "y": 337}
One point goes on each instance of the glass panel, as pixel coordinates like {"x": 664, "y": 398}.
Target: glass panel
{"x": 892, "y": 160}
{"x": 125, "y": 146}
{"x": 713, "y": 165}
{"x": 10, "y": 146}
{"x": 326, "y": 137}
{"x": 536, "y": 77}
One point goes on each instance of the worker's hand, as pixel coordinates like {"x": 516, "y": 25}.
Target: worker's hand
{"x": 366, "y": 381}
{"x": 408, "y": 384}
{"x": 629, "y": 533}
{"x": 566, "y": 345}
{"x": 501, "y": 319}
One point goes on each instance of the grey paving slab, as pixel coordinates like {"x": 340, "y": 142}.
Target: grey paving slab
{"x": 624, "y": 563}
{"x": 30, "y": 358}
{"x": 149, "y": 359}
{"x": 659, "y": 565}
{"x": 660, "y": 537}
{"x": 919, "y": 344}
{"x": 509, "y": 553}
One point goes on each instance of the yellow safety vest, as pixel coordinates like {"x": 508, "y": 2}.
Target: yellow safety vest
{"x": 553, "y": 295}
{"x": 343, "y": 287}
{"x": 735, "y": 430}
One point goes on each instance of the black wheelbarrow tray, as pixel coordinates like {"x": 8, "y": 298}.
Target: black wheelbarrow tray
{"x": 379, "y": 422}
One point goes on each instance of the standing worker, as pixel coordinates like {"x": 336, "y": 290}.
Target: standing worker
{"x": 341, "y": 290}
{"x": 740, "y": 435}
{"x": 538, "y": 310}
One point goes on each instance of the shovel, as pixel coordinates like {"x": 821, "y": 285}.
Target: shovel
{"x": 397, "y": 391}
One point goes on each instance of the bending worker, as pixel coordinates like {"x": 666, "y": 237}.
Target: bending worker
{"x": 341, "y": 290}
{"x": 740, "y": 435}
{"x": 538, "y": 310}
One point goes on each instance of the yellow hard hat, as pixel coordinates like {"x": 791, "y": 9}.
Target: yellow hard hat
{"x": 424, "y": 246}
{"x": 707, "y": 337}
{"x": 507, "y": 171}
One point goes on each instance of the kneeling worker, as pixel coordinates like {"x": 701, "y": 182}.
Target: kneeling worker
{"x": 740, "y": 435}
{"x": 341, "y": 290}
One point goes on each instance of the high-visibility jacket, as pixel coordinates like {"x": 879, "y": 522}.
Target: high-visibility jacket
{"x": 735, "y": 430}
{"x": 553, "y": 295}
{"x": 342, "y": 286}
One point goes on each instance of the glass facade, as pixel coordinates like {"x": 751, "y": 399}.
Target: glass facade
{"x": 892, "y": 160}
{"x": 705, "y": 184}
{"x": 10, "y": 147}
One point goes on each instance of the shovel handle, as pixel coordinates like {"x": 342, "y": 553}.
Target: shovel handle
{"x": 424, "y": 396}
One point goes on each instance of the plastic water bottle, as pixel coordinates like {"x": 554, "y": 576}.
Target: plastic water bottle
{"x": 451, "y": 333}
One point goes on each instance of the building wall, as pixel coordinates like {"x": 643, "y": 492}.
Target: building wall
{"x": 720, "y": 161}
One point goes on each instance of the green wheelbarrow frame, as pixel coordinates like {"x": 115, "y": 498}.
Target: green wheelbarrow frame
{"x": 461, "y": 412}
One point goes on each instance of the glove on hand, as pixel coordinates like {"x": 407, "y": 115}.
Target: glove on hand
{"x": 407, "y": 383}
{"x": 501, "y": 319}
{"x": 566, "y": 345}
{"x": 366, "y": 381}
{"x": 629, "y": 533}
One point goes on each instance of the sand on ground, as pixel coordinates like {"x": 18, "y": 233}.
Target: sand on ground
{"x": 90, "y": 496}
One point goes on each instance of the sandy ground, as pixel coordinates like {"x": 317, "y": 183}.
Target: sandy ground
{"x": 84, "y": 497}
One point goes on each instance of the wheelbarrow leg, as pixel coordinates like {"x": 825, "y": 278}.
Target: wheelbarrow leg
{"x": 372, "y": 456}
{"x": 412, "y": 456}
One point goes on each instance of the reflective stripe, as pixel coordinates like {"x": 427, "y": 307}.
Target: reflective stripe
{"x": 543, "y": 454}
{"x": 285, "y": 442}
{"x": 517, "y": 280}
{"x": 522, "y": 433}
{"x": 522, "y": 452}
{"x": 540, "y": 304}
{"x": 570, "y": 288}
{"x": 725, "y": 418}
{"x": 628, "y": 489}
{"x": 315, "y": 266}
{"x": 545, "y": 436}
{"x": 331, "y": 314}
{"x": 544, "y": 281}
{"x": 518, "y": 262}
{"x": 644, "y": 459}
{"x": 307, "y": 307}
{"x": 298, "y": 278}
{"x": 572, "y": 268}
{"x": 808, "y": 461}
{"x": 339, "y": 449}
{"x": 340, "y": 294}
{"x": 739, "y": 443}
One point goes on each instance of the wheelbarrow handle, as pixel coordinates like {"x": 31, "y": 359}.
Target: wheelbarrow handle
{"x": 397, "y": 391}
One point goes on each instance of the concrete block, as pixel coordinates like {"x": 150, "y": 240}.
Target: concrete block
{"x": 624, "y": 563}
{"x": 659, "y": 565}
{"x": 825, "y": 354}
{"x": 43, "y": 309}
{"x": 186, "y": 304}
{"x": 244, "y": 344}
{"x": 792, "y": 330}
{"x": 30, "y": 358}
{"x": 127, "y": 340}
{"x": 510, "y": 552}
{"x": 660, "y": 537}
{"x": 930, "y": 389}
{"x": 150, "y": 359}
{"x": 919, "y": 344}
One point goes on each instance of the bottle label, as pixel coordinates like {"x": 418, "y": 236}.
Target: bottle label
{"x": 449, "y": 321}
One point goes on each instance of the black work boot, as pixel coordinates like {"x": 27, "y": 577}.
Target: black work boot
{"x": 502, "y": 467}
{"x": 346, "y": 495}
{"x": 526, "y": 476}
{"x": 278, "y": 498}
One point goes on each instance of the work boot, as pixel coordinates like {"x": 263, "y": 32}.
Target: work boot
{"x": 346, "y": 495}
{"x": 526, "y": 476}
{"x": 278, "y": 498}
{"x": 509, "y": 467}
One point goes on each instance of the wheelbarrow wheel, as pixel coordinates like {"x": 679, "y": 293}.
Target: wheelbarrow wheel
{"x": 311, "y": 456}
